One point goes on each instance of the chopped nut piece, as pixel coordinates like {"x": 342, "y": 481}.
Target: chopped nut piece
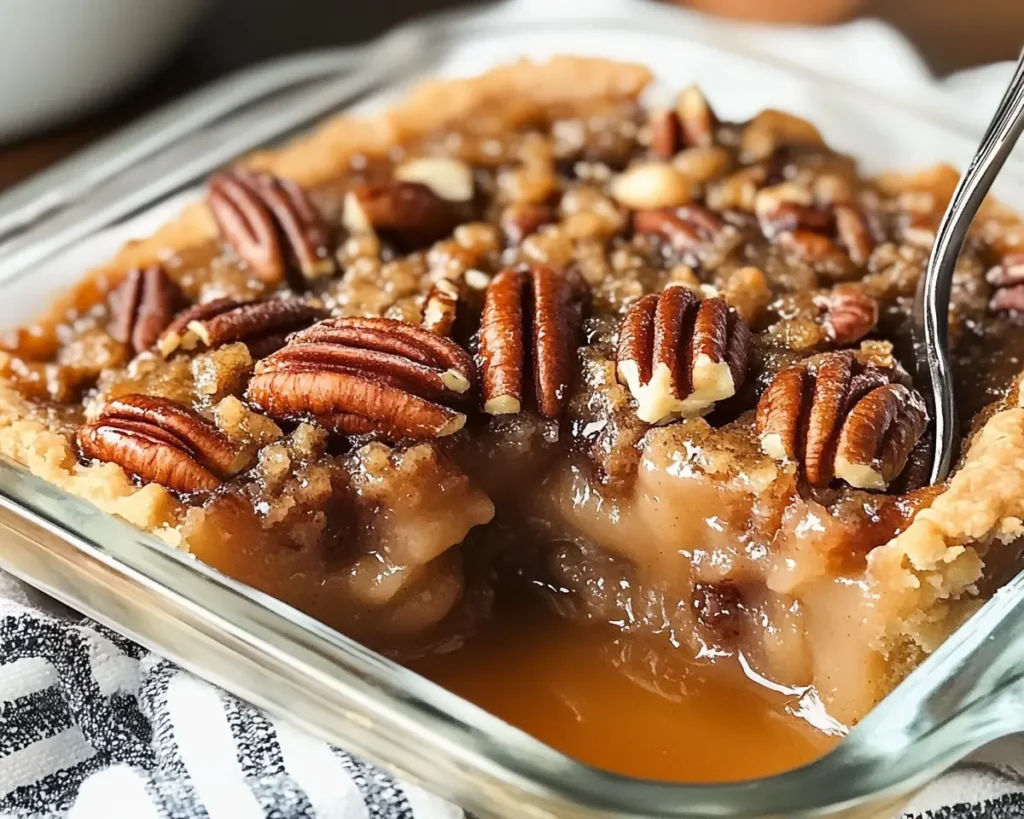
{"x": 854, "y": 233}
{"x": 448, "y": 178}
{"x": 143, "y": 306}
{"x": 1007, "y": 278}
{"x": 521, "y": 220}
{"x": 439, "y": 307}
{"x": 358, "y": 375}
{"x": 748, "y": 291}
{"x": 805, "y": 413}
{"x": 703, "y": 164}
{"x": 696, "y": 118}
{"x": 666, "y": 136}
{"x": 476, "y": 279}
{"x": 507, "y": 316}
{"x": 408, "y": 212}
{"x": 354, "y": 216}
{"x": 738, "y": 191}
{"x": 528, "y": 184}
{"x": 814, "y": 248}
{"x": 651, "y": 185}
{"x": 163, "y": 442}
{"x": 679, "y": 356}
{"x": 771, "y": 130}
{"x": 850, "y": 314}
{"x": 271, "y": 224}
{"x": 683, "y": 228}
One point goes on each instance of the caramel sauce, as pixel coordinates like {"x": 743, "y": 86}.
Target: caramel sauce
{"x": 602, "y": 699}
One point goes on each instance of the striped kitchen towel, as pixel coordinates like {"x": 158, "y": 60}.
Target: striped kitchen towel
{"x": 93, "y": 726}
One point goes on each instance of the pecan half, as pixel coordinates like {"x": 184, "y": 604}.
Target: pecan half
{"x": 811, "y": 413}
{"x": 262, "y": 325}
{"x": 878, "y": 435}
{"x": 1007, "y": 278}
{"x": 850, "y": 314}
{"x": 271, "y": 224}
{"x": 679, "y": 355}
{"x": 367, "y": 374}
{"x": 529, "y": 323}
{"x": 439, "y": 307}
{"x": 161, "y": 441}
{"x": 684, "y": 228}
{"x": 143, "y": 306}
{"x": 408, "y": 213}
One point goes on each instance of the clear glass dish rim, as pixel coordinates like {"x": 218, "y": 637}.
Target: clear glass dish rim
{"x": 482, "y": 742}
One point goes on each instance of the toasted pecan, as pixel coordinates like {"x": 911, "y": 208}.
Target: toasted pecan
{"x": 530, "y": 316}
{"x": 400, "y": 379}
{"x": 679, "y": 355}
{"x": 271, "y": 224}
{"x": 841, "y": 418}
{"x": 263, "y": 324}
{"x": 143, "y": 305}
{"x": 161, "y": 441}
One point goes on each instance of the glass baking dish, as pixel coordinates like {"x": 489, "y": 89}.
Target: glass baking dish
{"x": 969, "y": 692}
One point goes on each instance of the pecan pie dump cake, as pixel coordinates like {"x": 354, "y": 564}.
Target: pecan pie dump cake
{"x": 522, "y": 332}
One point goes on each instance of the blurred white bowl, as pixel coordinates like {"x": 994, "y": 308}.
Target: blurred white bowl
{"x": 59, "y": 58}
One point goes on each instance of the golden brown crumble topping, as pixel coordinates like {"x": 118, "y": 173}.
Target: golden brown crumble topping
{"x": 651, "y": 361}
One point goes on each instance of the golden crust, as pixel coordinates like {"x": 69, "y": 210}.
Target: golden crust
{"x": 929, "y": 573}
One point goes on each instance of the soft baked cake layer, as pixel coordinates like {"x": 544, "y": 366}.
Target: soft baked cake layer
{"x": 523, "y": 329}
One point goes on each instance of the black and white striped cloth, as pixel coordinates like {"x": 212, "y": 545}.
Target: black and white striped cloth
{"x": 93, "y": 726}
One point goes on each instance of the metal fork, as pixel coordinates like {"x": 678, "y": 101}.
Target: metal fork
{"x": 931, "y": 314}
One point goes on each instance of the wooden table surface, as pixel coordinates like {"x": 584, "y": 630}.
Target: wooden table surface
{"x": 952, "y": 34}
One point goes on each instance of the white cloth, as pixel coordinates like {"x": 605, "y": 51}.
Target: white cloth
{"x": 93, "y": 726}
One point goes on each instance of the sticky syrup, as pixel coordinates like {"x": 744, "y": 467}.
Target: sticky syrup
{"x": 601, "y": 698}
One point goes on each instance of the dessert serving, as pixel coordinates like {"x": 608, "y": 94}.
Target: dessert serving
{"x": 527, "y": 380}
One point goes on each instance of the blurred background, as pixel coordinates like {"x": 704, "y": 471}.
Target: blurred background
{"x": 167, "y": 47}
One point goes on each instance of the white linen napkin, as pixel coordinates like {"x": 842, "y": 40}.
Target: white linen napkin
{"x": 93, "y": 726}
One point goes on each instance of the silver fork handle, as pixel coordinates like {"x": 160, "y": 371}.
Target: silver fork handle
{"x": 932, "y": 314}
